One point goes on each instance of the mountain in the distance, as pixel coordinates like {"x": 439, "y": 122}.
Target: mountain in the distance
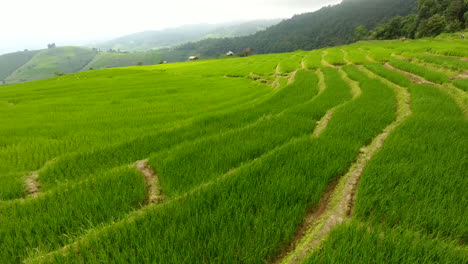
{"x": 329, "y": 26}
{"x": 148, "y": 40}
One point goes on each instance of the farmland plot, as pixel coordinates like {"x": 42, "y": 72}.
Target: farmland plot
{"x": 232, "y": 160}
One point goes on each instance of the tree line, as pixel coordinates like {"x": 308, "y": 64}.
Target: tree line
{"x": 433, "y": 18}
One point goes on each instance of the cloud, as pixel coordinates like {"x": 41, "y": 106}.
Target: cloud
{"x": 32, "y": 21}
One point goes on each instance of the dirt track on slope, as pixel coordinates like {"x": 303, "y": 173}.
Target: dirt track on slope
{"x": 292, "y": 77}
{"x": 154, "y": 194}
{"x": 32, "y": 184}
{"x": 344, "y": 194}
{"x": 463, "y": 75}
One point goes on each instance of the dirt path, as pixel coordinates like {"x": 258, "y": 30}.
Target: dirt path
{"x": 414, "y": 78}
{"x": 345, "y": 57}
{"x": 463, "y": 75}
{"x": 303, "y": 65}
{"x": 277, "y": 70}
{"x": 343, "y": 196}
{"x": 292, "y": 77}
{"x": 154, "y": 194}
{"x": 460, "y": 97}
{"x": 33, "y": 186}
{"x": 325, "y": 62}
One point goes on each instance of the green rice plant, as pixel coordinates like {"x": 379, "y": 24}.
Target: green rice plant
{"x": 291, "y": 62}
{"x": 55, "y": 218}
{"x": 437, "y": 77}
{"x": 106, "y": 119}
{"x": 185, "y": 167}
{"x": 360, "y": 243}
{"x": 462, "y": 84}
{"x": 12, "y": 186}
{"x": 388, "y": 74}
{"x": 356, "y": 56}
{"x": 447, "y": 62}
{"x": 238, "y": 219}
{"x": 335, "y": 57}
{"x": 313, "y": 59}
{"x": 421, "y": 186}
{"x": 380, "y": 54}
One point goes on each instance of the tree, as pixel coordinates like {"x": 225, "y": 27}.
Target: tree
{"x": 58, "y": 73}
{"x": 465, "y": 16}
{"x": 455, "y": 10}
{"x": 432, "y": 27}
{"x": 51, "y": 45}
{"x": 246, "y": 52}
{"x": 361, "y": 33}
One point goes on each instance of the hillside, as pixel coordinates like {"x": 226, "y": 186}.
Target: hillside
{"x": 112, "y": 60}
{"x": 12, "y": 61}
{"x": 352, "y": 154}
{"x": 329, "y": 26}
{"x": 46, "y": 63}
{"x": 149, "y": 40}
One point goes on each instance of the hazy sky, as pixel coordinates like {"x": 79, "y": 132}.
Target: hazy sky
{"x": 34, "y": 23}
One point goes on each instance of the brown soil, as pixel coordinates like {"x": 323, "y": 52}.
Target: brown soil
{"x": 322, "y": 123}
{"x": 325, "y": 62}
{"x": 463, "y": 75}
{"x": 292, "y": 77}
{"x": 32, "y": 184}
{"x": 154, "y": 194}
{"x": 277, "y": 70}
{"x": 345, "y": 57}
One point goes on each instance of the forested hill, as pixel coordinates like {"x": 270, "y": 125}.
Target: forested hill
{"x": 329, "y": 26}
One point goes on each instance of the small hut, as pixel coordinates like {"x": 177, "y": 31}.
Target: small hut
{"x": 230, "y": 53}
{"x": 193, "y": 58}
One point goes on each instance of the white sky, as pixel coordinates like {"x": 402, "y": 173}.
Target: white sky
{"x": 34, "y": 23}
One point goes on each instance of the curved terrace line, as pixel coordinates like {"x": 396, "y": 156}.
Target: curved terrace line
{"x": 460, "y": 97}
{"x": 134, "y": 215}
{"x": 33, "y": 187}
{"x": 355, "y": 92}
{"x": 153, "y": 191}
{"x": 343, "y": 197}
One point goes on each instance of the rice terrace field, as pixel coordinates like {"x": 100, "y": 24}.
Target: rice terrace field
{"x": 352, "y": 154}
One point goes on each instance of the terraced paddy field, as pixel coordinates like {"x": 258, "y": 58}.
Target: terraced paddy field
{"x": 355, "y": 154}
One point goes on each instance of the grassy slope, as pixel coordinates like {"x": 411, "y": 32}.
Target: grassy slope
{"x": 12, "y": 61}
{"x": 46, "y": 62}
{"x": 113, "y": 60}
